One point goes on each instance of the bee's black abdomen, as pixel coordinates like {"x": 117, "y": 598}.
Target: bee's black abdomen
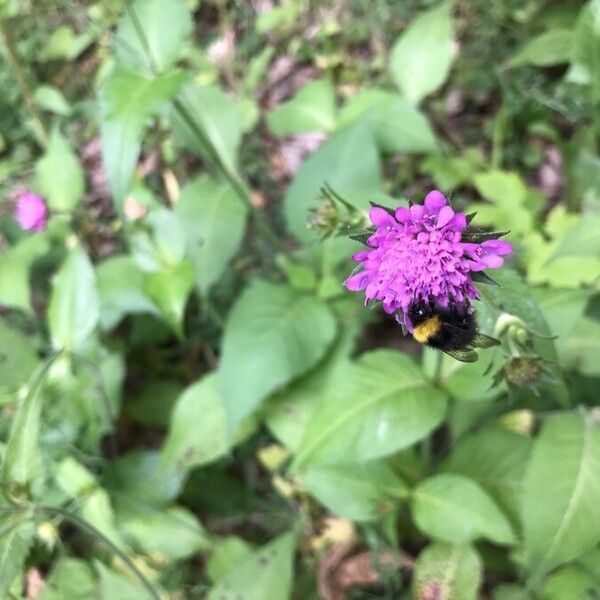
{"x": 458, "y": 329}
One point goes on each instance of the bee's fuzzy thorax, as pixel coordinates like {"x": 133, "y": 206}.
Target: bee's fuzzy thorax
{"x": 426, "y": 330}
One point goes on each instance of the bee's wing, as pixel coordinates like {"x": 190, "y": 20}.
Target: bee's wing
{"x": 467, "y": 356}
{"x": 484, "y": 341}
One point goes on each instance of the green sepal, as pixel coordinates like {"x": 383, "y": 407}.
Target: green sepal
{"x": 361, "y": 237}
{"x": 470, "y": 217}
{"x": 482, "y": 236}
{"x": 483, "y": 277}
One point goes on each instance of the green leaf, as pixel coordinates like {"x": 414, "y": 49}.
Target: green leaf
{"x": 511, "y": 205}
{"x": 570, "y": 582}
{"x": 21, "y": 461}
{"x": 501, "y": 460}
{"x": 74, "y": 308}
{"x": 455, "y": 509}
{"x": 214, "y": 220}
{"x": 74, "y": 478}
{"x": 129, "y": 101}
{"x": 52, "y": 99}
{"x": 511, "y": 592}
{"x": 226, "y": 555}
{"x": 139, "y": 479}
{"x": 18, "y": 357}
{"x": 121, "y": 290}
{"x": 197, "y": 432}
{"x": 169, "y": 289}
{"x": 582, "y": 240}
{"x": 311, "y": 109}
{"x": 208, "y": 110}
{"x": 59, "y": 176}
{"x": 166, "y": 26}
{"x": 359, "y": 492}
{"x": 552, "y": 47}
{"x": 397, "y": 125}
{"x": 266, "y": 574}
{"x": 447, "y": 571}
{"x": 561, "y": 493}
{"x": 172, "y": 534}
{"x": 114, "y": 586}
{"x": 348, "y": 161}
{"x": 374, "y": 407}
{"x": 273, "y": 335}
{"x": 71, "y": 578}
{"x": 15, "y": 268}
{"x": 421, "y": 58}
{"x": 586, "y": 38}
{"x": 15, "y": 543}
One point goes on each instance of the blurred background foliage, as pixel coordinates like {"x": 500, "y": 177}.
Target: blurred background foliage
{"x": 191, "y": 405}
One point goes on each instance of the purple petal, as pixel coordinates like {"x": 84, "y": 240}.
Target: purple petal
{"x": 497, "y": 246}
{"x": 357, "y": 282}
{"x": 445, "y": 216}
{"x": 434, "y": 201}
{"x": 402, "y": 214}
{"x": 380, "y": 217}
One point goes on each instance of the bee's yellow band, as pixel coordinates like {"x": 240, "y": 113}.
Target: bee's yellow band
{"x": 426, "y": 330}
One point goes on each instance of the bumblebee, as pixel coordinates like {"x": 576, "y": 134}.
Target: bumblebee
{"x": 452, "y": 329}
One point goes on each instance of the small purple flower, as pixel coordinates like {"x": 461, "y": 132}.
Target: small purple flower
{"x": 31, "y": 212}
{"x": 418, "y": 253}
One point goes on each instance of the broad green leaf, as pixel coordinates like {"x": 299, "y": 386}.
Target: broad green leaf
{"x": 116, "y": 586}
{"x": 197, "y": 432}
{"x": 552, "y": 47}
{"x": 501, "y": 460}
{"x": 374, "y": 407}
{"x": 273, "y": 335}
{"x": 15, "y": 268}
{"x": 590, "y": 561}
{"x": 397, "y": 125}
{"x": 581, "y": 348}
{"x": 129, "y": 101}
{"x": 510, "y": 591}
{"x": 74, "y": 308}
{"x": 209, "y": 117}
{"x": 97, "y": 510}
{"x": 422, "y": 56}
{"x": 266, "y": 574}
{"x": 59, "y": 176}
{"x": 545, "y": 261}
{"x": 15, "y": 543}
{"x": 166, "y": 26}
{"x": 348, "y": 162}
{"x": 226, "y": 554}
{"x": 169, "y": 290}
{"x": 173, "y": 533}
{"x": 139, "y": 479}
{"x": 18, "y": 357}
{"x": 561, "y": 492}
{"x": 570, "y": 582}
{"x": 214, "y": 219}
{"x": 586, "y": 50}
{"x": 511, "y": 204}
{"x": 290, "y": 411}
{"x": 121, "y": 290}
{"x": 71, "y": 578}
{"x": 447, "y": 571}
{"x": 359, "y": 492}
{"x": 582, "y": 240}
{"x": 450, "y": 172}
{"x": 455, "y": 509}
{"x": 311, "y": 109}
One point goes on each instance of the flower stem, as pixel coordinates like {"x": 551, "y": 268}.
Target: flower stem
{"x": 12, "y": 59}
{"x": 233, "y": 178}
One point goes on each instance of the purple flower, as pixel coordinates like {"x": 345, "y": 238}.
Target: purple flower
{"x": 31, "y": 212}
{"x": 418, "y": 254}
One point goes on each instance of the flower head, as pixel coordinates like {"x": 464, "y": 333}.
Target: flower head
{"x": 420, "y": 253}
{"x": 31, "y": 212}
